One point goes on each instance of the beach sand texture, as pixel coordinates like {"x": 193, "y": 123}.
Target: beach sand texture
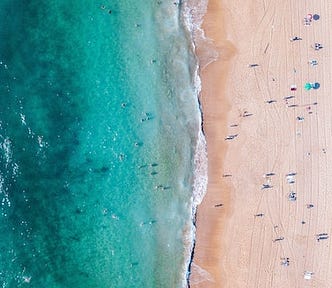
{"x": 275, "y": 135}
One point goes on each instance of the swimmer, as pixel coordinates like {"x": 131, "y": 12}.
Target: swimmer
{"x": 26, "y": 279}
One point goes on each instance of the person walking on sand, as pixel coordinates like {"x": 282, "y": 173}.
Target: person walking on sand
{"x": 253, "y": 65}
{"x": 278, "y": 239}
{"x": 295, "y": 39}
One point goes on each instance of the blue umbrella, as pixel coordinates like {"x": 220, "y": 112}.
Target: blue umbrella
{"x": 316, "y": 85}
{"x": 315, "y": 17}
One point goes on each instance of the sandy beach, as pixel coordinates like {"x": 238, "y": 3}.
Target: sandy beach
{"x": 266, "y": 220}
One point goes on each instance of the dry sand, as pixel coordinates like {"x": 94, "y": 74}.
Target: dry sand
{"x": 234, "y": 248}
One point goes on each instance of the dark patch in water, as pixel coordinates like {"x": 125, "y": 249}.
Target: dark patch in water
{"x": 104, "y": 169}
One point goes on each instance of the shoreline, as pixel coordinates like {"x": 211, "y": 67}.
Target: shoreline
{"x": 214, "y": 107}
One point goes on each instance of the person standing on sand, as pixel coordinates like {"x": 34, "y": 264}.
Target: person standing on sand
{"x": 295, "y": 39}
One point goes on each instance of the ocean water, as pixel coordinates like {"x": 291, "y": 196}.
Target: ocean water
{"x": 99, "y": 125}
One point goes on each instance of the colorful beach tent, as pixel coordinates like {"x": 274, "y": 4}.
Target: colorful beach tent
{"x": 307, "y": 86}
{"x": 316, "y": 85}
{"x": 315, "y": 17}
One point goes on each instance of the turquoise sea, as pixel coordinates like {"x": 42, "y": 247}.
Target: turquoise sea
{"x": 99, "y": 123}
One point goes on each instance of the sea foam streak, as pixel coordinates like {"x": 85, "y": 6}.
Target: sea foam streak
{"x": 193, "y": 12}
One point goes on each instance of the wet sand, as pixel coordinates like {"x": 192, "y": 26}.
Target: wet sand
{"x": 234, "y": 247}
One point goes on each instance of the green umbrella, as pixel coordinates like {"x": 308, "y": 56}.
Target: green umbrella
{"x": 307, "y": 86}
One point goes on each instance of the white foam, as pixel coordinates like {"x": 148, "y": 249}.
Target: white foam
{"x": 192, "y": 15}
{"x": 189, "y": 242}
{"x": 6, "y": 146}
{"x": 15, "y": 169}
{"x": 201, "y": 170}
{"x": 23, "y": 119}
{"x": 4, "y": 192}
{"x": 10, "y": 172}
{"x": 199, "y": 190}
{"x": 41, "y": 142}
{"x": 193, "y": 12}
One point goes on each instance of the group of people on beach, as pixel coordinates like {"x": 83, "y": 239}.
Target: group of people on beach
{"x": 290, "y": 177}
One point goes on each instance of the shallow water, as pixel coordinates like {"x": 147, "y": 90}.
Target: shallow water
{"x": 98, "y": 126}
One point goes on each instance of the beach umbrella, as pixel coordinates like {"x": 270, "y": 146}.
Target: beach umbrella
{"x": 307, "y": 86}
{"x": 316, "y": 85}
{"x": 315, "y": 17}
